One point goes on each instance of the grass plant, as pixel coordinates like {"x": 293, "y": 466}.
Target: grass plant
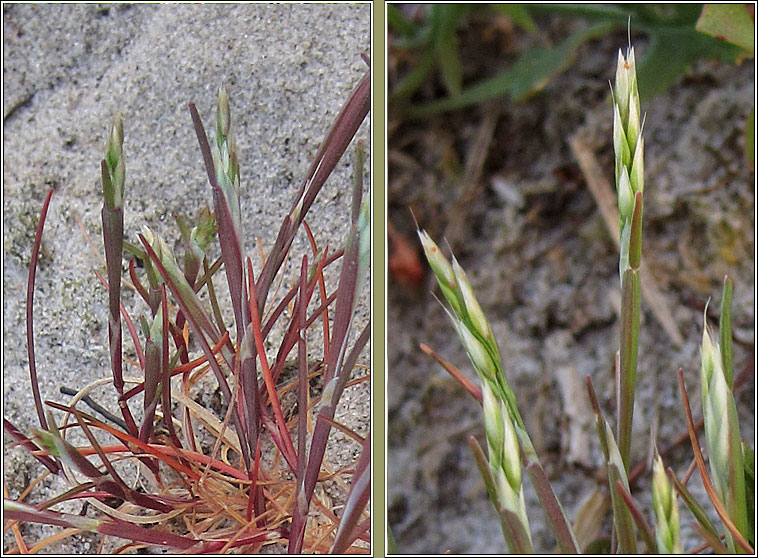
{"x": 207, "y": 482}
{"x": 509, "y": 448}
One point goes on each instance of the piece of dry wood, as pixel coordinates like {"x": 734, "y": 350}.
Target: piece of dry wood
{"x": 606, "y": 201}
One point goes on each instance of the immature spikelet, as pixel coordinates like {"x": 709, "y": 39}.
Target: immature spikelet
{"x": 628, "y": 146}
{"x": 666, "y": 510}
{"x": 722, "y": 435}
{"x": 225, "y": 162}
{"x": 115, "y": 175}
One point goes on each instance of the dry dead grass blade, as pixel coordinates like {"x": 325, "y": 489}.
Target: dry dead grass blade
{"x": 470, "y": 181}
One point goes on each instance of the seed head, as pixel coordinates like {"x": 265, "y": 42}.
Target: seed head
{"x": 223, "y": 115}
{"x": 473, "y": 309}
{"x": 493, "y": 425}
{"x": 511, "y": 455}
{"x": 478, "y": 354}
{"x": 666, "y": 511}
{"x": 626, "y": 196}
{"x": 439, "y": 264}
{"x": 113, "y": 183}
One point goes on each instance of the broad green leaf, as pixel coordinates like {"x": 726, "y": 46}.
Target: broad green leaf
{"x": 518, "y": 15}
{"x": 750, "y": 139}
{"x": 671, "y": 53}
{"x": 643, "y": 16}
{"x": 749, "y": 465}
{"x": 397, "y": 22}
{"x": 599, "y": 546}
{"x": 728, "y": 22}
{"x": 445, "y": 20}
{"x": 529, "y": 74}
{"x": 408, "y": 85}
{"x": 391, "y": 544}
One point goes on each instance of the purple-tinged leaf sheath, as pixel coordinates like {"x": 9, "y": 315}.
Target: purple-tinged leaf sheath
{"x": 556, "y": 517}
{"x": 228, "y": 233}
{"x": 66, "y": 452}
{"x": 249, "y": 385}
{"x": 112, "y": 527}
{"x": 166, "y": 267}
{"x": 343, "y": 312}
{"x": 321, "y": 435}
{"x": 357, "y": 500}
{"x": 639, "y": 518}
{"x": 152, "y": 377}
{"x": 231, "y": 252}
{"x": 166, "y": 373}
{"x": 519, "y": 539}
{"x": 113, "y": 239}
{"x": 115, "y": 485}
{"x": 360, "y": 158}
{"x": 179, "y": 295}
{"x": 280, "y": 422}
{"x": 509, "y": 528}
{"x": 302, "y": 376}
{"x": 29, "y": 446}
{"x": 112, "y": 169}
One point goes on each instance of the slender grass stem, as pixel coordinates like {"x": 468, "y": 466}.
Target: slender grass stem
{"x": 628, "y": 147}
{"x": 30, "y": 312}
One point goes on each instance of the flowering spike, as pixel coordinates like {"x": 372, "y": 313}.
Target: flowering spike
{"x": 621, "y": 90}
{"x": 626, "y": 196}
{"x": 439, "y": 264}
{"x": 223, "y": 116}
{"x": 114, "y": 175}
{"x": 666, "y": 511}
{"x": 493, "y": 426}
{"x": 620, "y": 143}
{"x": 473, "y": 309}
{"x": 637, "y": 174}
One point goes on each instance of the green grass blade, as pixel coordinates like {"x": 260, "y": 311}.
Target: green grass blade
{"x": 725, "y": 331}
{"x": 518, "y": 14}
{"x": 397, "y": 23}
{"x": 408, "y": 85}
{"x": 729, "y": 22}
{"x": 639, "y": 518}
{"x": 445, "y": 18}
{"x": 530, "y": 74}
{"x": 697, "y": 510}
{"x": 357, "y": 499}
{"x": 556, "y": 516}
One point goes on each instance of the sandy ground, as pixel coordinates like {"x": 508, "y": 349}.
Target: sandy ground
{"x": 67, "y": 70}
{"x": 545, "y": 271}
